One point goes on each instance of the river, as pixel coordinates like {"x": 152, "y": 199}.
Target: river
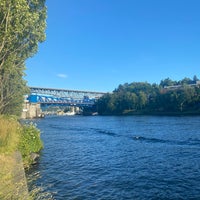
{"x": 117, "y": 158}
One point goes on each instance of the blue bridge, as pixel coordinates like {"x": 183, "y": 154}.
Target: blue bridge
{"x": 62, "y": 97}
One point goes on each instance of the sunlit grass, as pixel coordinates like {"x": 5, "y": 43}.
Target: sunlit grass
{"x": 9, "y": 134}
{"x": 14, "y": 138}
{"x": 6, "y": 177}
{"x": 13, "y": 182}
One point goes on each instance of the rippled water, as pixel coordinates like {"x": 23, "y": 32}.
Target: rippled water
{"x": 137, "y": 157}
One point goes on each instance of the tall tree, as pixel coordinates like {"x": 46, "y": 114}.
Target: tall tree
{"x": 195, "y": 79}
{"x": 167, "y": 82}
{"x": 142, "y": 99}
{"x": 22, "y": 27}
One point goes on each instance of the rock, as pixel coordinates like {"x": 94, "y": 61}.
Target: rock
{"x": 34, "y": 157}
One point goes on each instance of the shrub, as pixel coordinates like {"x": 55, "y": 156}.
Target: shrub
{"x": 30, "y": 142}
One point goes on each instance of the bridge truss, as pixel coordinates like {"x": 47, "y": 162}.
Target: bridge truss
{"x": 51, "y": 96}
{"x": 63, "y": 93}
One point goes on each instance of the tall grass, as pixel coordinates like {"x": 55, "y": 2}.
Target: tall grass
{"x": 15, "y": 137}
{"x": 9, "y": 134}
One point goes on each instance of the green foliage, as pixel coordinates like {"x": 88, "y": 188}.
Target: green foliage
{"x": 30, "y": 142}
{"x": 174, "y": 97}
{"x": 15, "y": 137}
{"x": 167, "y": 82}
{"x": 22, "y": 26}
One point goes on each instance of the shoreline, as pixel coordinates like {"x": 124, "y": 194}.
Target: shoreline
{"x": 154, "y": 114}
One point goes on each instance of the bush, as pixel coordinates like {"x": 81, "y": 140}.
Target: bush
{"x": 30, "y": 142}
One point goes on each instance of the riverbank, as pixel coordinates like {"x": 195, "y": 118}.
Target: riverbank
{"x": 153, "y": 113}
{"x": 18, "y": 143}
{"x": 13, "y": 180}
{"x": 165, "y": 113}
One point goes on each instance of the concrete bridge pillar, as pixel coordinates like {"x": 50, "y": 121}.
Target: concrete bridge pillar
{"x": 31, "y": 110}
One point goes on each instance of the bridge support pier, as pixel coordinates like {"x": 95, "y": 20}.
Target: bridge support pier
{"x": 31, "y": 110}
{"x": 75, "y": 109}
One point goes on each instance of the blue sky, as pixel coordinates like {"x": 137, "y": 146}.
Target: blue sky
{"x": 96, "y": 45}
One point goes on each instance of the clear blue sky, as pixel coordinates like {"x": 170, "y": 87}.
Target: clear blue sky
{"x": 98, "y": 44}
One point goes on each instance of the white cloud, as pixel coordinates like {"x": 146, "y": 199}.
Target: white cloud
{"x": 62, "y": 75}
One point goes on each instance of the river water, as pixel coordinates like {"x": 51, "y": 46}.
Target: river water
{"x": 134, "y": 157}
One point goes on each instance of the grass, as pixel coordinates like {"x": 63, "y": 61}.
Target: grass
{"x": 15, "y": 137}
{"x": 13, "y": 182}
{"x": 9, "y": 134}
{"x": 6, "y": 177}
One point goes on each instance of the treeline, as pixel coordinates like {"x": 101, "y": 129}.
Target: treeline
{"x": 168, "y": 97}
{"x": 22, "y": 27}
